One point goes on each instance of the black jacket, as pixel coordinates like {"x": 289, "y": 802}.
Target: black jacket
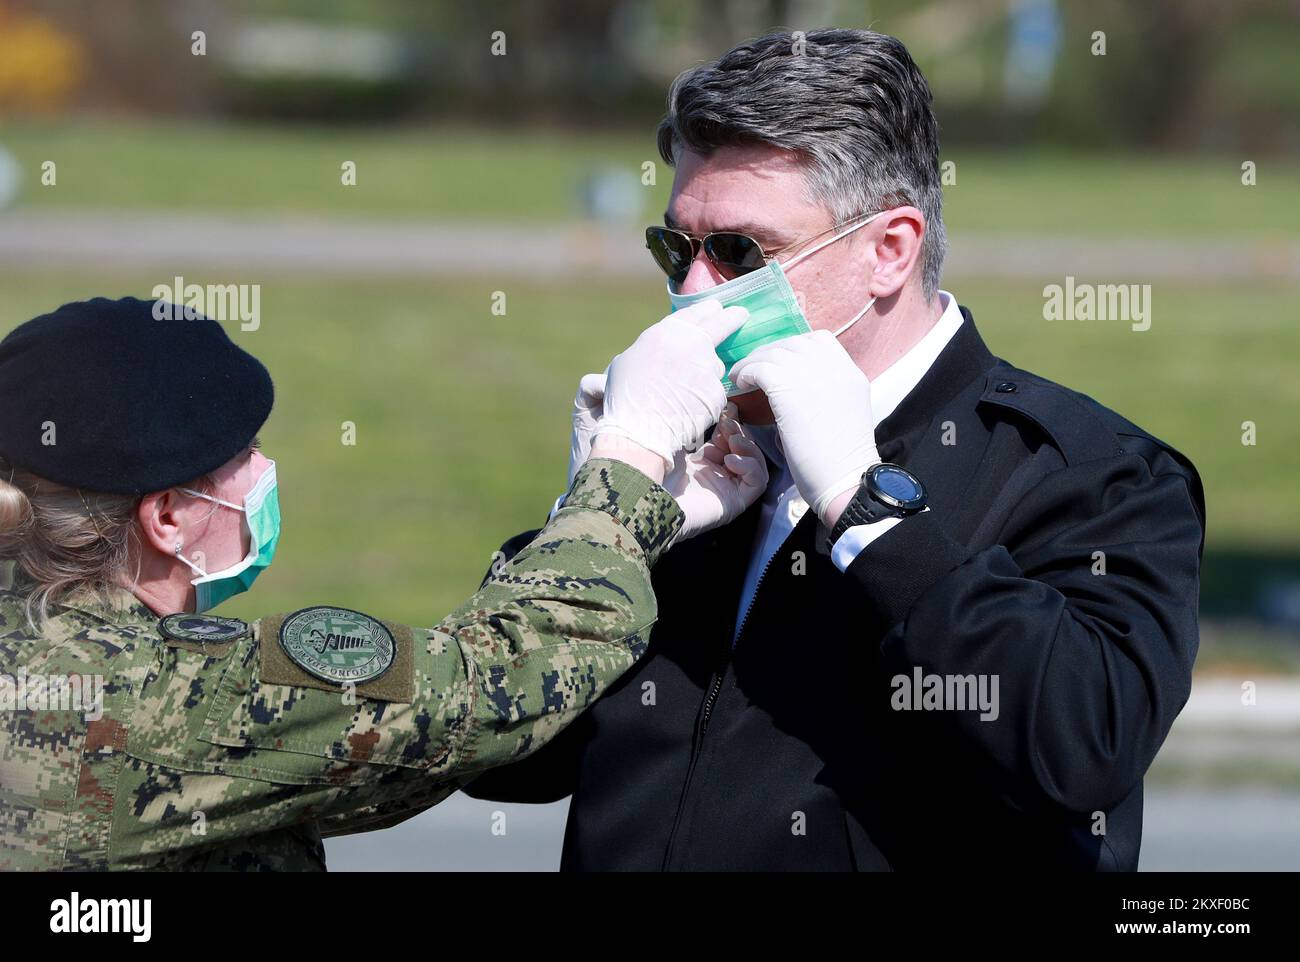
{"x": 1061, "y": 554}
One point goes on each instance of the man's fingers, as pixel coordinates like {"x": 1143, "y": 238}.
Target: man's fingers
{"x": 751, "y": 471}
{"x": 728, "y": 426}
{"x": 755, "y": 373}
{"x": 700, "y": 309}
{"x": 744, "y": 446}
{"x": 717, "y": 325}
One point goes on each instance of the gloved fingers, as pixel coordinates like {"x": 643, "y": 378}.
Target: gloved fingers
{"x": 815, "y": 345}
{"x": 701, "y": 309}
{"x": 780, "y": 352}
{"x": 716, "y": 325}
{"x": 728, "y": 428}
{"x": 588, "y": 406}
{"x": 751, "y": 471}
{"x": 761, "y": 371}
{"x": 824, "y": 349}
{"x": 745, "y": 447}
{"x": 591, "y": 391}
{"x": 727, "y": 422}
{"x": 716, "y": 451}
{"x": 712, "y": 454}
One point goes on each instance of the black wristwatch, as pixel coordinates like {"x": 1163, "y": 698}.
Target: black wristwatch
{"x": 887, "y": 491}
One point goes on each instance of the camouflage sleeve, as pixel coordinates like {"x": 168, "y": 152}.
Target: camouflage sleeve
{"x": 570, "y": 613}
{"x": 333, "y": 716}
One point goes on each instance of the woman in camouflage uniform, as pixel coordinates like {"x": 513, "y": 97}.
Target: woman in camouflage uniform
{"x": 138, "y": 731}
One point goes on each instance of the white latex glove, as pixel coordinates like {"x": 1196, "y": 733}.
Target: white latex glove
{"x": 664, "y": 391}
{"x": 822, "y": 404}
{"x": 714, "y": 485}
{"x": 588, "y": 406}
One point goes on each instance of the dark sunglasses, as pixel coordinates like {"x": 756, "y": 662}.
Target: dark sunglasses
{"x": 731, "y": 254}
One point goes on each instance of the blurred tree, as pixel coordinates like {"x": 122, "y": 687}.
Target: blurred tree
{"x": 40, "y": 65}
{"x": 1187, "y": 73}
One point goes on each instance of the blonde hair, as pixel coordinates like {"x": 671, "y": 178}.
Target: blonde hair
{"x": 68, "y": 543}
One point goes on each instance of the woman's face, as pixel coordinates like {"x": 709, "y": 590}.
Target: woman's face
{"x": 217, "y": 536}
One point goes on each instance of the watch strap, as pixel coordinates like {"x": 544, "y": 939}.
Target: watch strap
{"x": 861, "y": 509}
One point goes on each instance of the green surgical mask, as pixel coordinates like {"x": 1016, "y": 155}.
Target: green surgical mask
{"x": 262, "y": 515}
{"x": 774, "y": 311}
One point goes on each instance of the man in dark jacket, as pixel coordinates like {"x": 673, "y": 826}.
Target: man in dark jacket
{"x": 959, "y": 625}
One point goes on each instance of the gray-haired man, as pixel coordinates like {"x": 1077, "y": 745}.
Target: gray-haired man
{"x": 904, "y": 655}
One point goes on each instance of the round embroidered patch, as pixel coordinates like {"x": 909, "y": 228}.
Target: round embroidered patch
{"x": 203, "y": 628}
{"x": 337, "y": 645}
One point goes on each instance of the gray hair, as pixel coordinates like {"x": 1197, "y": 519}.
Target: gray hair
{"x": 853, "y": 102}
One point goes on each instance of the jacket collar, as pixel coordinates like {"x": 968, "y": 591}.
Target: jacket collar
{"x": 962, "y": 360}
{"x": 116, "y": 605}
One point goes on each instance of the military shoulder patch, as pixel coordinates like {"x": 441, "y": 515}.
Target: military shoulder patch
{"x": 337, "y": 644}
{"x": 336, "y": 648}
{"x": 204, "y": 633}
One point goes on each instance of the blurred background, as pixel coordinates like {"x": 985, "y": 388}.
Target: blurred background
{"x": 488, "y": 252}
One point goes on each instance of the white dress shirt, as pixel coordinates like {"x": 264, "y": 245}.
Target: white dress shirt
{"x": 782, "y": 506}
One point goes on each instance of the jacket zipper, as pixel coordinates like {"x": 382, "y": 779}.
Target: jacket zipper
{"x": 710, "y": 700}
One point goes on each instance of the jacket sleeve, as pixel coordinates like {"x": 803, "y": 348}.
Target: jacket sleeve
{"x": 546, "y": 775}
{"x": 1084, "y": 613}
{"x": 492, "y": 682}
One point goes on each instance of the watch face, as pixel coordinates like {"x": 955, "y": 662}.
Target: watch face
{"x": 897, "y": 487}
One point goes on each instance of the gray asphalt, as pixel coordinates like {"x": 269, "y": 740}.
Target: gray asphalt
{"x": 165, "y": 241}
{"x": 1185, "y": 830}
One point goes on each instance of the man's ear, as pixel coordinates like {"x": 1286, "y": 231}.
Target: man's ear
{"x": 898, "y": 250}
{"x": 159, "y": 526}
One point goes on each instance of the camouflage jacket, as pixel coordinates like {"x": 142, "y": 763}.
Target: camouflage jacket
{"x": 216, "y": 745}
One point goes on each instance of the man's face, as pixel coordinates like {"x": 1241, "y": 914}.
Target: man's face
{"x": 761, "y": 191}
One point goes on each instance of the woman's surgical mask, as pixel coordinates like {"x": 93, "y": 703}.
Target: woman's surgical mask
{"x": 261, "y": 510}
{"x": 774, "y": 311}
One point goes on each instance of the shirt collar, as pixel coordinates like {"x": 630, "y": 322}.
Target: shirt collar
{"x": 898, "y": 380}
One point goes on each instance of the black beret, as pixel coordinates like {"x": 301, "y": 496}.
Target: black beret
{"x": 133, "y": 404}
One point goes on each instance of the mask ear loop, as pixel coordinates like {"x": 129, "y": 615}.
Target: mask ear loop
{"x": 856, "y": 317}
{"x": 207, "y": 497}
{"x": 795, "y": 260}
{"x": 192, "y": 566}
{"x": 826, "y": 243}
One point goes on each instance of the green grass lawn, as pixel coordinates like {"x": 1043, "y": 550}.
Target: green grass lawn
{"x": 481, "y": 175}
{"x": 462, "y": 416}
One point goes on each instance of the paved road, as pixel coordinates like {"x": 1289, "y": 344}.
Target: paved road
{"x": 167, "y": 241}
{"x": 1248, "y": 830}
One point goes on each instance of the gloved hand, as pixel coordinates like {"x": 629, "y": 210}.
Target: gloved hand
{"x": 714, "y": 485}
{"x": 822, "y": 404}
{"x": 588, "y": 406}
{"x": 664, "y": 391}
